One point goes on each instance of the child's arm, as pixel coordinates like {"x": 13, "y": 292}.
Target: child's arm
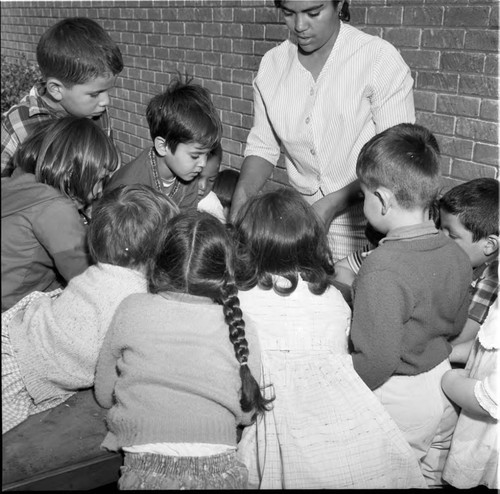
{"x": 471, "y": 328}
{"x": 461, "y": 389}
{"x": 460, "y": 353}
{"x": 106, "y": 370}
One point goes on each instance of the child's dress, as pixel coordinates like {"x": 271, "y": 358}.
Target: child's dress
{"x": 326, "y": 428}
{"x": 473, "y": 457}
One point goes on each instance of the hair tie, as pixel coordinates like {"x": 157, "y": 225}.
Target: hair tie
{"x": 243, "y": 363}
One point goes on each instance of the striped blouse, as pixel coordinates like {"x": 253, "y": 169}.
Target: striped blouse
{"x": 364, "y": 87}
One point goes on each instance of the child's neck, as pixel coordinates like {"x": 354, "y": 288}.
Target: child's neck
{"x": 404, "y": 217}
{"x": 52, "y": 103}
{"x": 164, "y": 171}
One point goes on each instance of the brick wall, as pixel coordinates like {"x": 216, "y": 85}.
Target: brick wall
{"x": 451, "y": 48}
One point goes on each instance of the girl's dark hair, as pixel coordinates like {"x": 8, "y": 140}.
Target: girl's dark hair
{"x": 278, "y": 233}
{"x": 344, "y": 14}
{"x": 26, "y": 154}
{"x": 75, "y": 156}
{"x": 197, "y": 257}
{"x": 125, "y": 223}
{"x": 224, "y": 186}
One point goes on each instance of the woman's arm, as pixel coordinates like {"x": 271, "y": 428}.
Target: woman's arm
{"x": 253, "y": 175}
{"x": 460, "y": 353}
{"x": 334, "y": 203}
{"x": 460, "y": 389}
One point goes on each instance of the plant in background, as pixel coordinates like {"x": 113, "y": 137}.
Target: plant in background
{"x": 17, "y": 79}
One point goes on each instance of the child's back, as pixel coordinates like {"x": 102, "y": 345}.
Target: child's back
{"x": 56, "y": 338}
{"x": 326, "y": 426}
{"x": 411, "y": 294}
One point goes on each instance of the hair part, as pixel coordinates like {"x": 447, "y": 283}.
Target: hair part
{"x": 125, "y": 223}
{"x": 184, "y": 113}
{"x": 76, "y": 50}
{"x": 75, "y": 155}
{"x": 476, "y": 205}
{"x": 197, "y": 257}
{"x": 405, "y": 159}
{"x": 278, "y": 233}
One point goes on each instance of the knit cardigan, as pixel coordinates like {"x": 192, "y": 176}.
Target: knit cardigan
{"x": 168, "y": 373}
{"x": 410, "y": 298}
{"x": 57, "y": 341}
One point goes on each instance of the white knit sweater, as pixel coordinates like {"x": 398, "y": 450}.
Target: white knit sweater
{"x": 57, "y": 341}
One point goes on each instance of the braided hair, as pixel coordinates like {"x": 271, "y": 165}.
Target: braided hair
{"x": 197, "y": 257}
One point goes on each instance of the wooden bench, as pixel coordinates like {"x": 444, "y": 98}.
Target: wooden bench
{"x": 59, "y": 449}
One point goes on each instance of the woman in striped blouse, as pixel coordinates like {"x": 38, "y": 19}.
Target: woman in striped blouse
{"x": 318, "y": 97}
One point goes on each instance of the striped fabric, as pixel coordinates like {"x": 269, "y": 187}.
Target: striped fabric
{"x": 17, "y": 404}
{"x": 364, "y": 88}
{"x": 484, "y": 292}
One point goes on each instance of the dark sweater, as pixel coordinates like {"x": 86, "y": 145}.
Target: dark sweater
{"x": 410, "y": 298}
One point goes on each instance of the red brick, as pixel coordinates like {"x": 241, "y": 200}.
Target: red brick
{"x": 423, "y": 16}
{"x": 421, "y": 59}
{"x": 443, "y": 38}
{"x": 462, "y": 62}
{"x": 441, "y": 124}
{"x": 458, "y": 105}
{"x": 479, "y": 85}
{"x": 466, "y": 16}
{"x": 482, "y": 40}
{"x": 478, "y": 130}
{"x": 484, "y": 153}
{"x": 468, "y": 170}
{"x": 424, "y": 100}
{"x": 385, "y": 15}
{"x": 403, "y": 36}
{"x": 437, "y": 81}
{"x": 457, "y": 148}
{"x": 489, "y": 110}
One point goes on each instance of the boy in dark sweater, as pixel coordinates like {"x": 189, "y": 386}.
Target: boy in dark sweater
{"x": 411, "y": 294}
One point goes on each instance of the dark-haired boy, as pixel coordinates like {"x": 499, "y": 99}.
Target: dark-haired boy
{"x": 186, "y": 130}
{"x": 79, "y": 63}
{"x": 411, "y": 293}
{"x": 469, "y": 216}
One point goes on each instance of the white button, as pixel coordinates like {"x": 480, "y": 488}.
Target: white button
{"x": 311, "y": 92}
{"x": 308, "y": 120}
{"x": 313, "y": 152}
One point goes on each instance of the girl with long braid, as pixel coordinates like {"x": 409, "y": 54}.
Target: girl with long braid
{"x": 175, "y": 369}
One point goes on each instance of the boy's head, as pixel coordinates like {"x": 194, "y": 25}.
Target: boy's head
{"x": 125, "y": 225}
{"x": 469, "y": 215}
{"x": 185, "y": 127}
{"x": 79, "y": 62}
{"x": 399, "y": 170}
{"x": 208, "y": 175}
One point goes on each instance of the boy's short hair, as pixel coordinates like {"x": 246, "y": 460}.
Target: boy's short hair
{"x": 404, "y": 159}
{"x": 184, "y": 113}
{"x": 476, "y": 205}
{"x": 126, "y": 225}
{"x": 76, "y": 50}
{"x": 224, "y": 186}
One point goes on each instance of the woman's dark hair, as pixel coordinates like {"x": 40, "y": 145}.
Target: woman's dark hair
{"x": 278, "y": 233}
{"x": 197, "y": 257}
{"x": 125, "y": 223}
{"x": 344, "y": 14}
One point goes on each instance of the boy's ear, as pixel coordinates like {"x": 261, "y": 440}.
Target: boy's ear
{"x": 386, "y": 198}
{"x": 161, "y": 146}
{"x": 55, "y": 88}
{"x": 491, "y": 245}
